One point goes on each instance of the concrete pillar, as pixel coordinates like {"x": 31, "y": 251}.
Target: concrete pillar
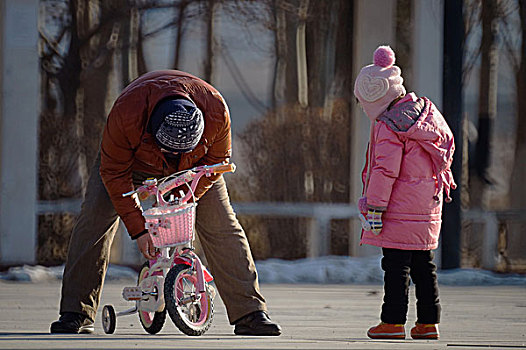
{"x": 374, "y": 22}
{"x": 428, "y": 49}
{"x": 19, "y": 111}
{"x": 428, "y": 55}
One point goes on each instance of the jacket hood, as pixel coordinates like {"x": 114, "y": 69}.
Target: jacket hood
{"x": 418, "y": 119}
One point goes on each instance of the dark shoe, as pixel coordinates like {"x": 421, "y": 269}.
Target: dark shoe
{"x": 72, "y": 322}
{"x": 256, "y": 323}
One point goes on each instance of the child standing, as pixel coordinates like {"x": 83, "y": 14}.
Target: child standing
{"x": 408, "y": 167}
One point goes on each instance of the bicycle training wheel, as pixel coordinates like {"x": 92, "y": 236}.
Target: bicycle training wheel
{"x": 109, "y": 319}
{"x": 191, "y": 311}
{"x": 152, "y": 322}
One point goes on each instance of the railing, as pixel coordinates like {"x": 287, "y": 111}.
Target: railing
{"x": 59, "y": 206}
{"x": 318, "y": 214}
{"x": 321, "y": 214}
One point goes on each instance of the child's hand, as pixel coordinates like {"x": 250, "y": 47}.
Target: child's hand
{"x": 374, "y": 219}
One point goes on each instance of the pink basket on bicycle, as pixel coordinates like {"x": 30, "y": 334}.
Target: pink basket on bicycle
{"x": 172, "y": 225}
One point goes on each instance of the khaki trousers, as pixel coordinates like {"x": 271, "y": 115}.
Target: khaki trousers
{"x": 223, "y": 240}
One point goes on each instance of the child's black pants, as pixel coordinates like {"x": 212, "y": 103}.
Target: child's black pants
{"x": 398, "y": 266}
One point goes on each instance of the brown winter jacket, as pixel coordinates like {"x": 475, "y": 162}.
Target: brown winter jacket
{"x": 127, "y": 146}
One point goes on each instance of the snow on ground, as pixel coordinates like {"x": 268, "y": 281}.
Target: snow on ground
{"x": 27, "y": 273}
{"x": 330, "y": 269}
{"x": 366, "y": 270}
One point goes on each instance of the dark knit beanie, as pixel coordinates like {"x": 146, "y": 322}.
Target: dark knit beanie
{"x": 177, "y": 125}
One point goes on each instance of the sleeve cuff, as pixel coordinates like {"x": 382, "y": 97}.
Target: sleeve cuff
{"x": 373, "y": 207}
{"x": 142, "y": 233}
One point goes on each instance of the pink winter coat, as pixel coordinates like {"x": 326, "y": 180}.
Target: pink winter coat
{"x": 410, "y": 155}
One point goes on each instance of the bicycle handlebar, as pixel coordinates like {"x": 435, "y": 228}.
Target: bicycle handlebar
{"x": 191, "y": 175}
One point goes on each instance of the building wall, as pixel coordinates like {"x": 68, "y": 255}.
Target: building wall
{"x": 19, "y": 110}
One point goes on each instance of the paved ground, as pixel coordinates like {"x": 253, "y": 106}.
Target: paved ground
{"x": 312, "y": 317}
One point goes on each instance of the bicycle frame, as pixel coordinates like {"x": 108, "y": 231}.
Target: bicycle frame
{"x": 175, "y": 245}
{"x": 185, "y": 255}
{"x": 181, "y": 255}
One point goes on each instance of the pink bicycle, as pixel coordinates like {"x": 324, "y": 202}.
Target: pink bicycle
{"x": 176, "y": 281}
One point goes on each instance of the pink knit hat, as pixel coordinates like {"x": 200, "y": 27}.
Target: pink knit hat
{"x": 378, "y": 84}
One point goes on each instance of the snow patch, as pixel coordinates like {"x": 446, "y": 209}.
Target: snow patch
{"x": 328, "y": 269}
{"x": 367, "y": 270}
{"x": 38, "y": 273}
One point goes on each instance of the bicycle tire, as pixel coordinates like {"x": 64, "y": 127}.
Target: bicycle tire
{"x": 177, "y": 275}
{"x": 152, "y": 325}
{"x": 109, "y": 319}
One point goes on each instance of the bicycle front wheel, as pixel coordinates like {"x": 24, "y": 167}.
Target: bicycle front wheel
{"x": 191, "y": 311}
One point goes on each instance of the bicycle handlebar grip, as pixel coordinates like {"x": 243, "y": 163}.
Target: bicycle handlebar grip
{"x": 224, "y": 168}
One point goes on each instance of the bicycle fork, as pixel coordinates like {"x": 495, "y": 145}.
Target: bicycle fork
{"x": 188, "y": 257}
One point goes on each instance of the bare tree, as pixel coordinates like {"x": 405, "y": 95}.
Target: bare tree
{"x": 512, "y": 235}
{"x": 78, "y": 40}
{"x": 518, "y": 194}
{"x": 487, "y": 101}
{"x": 503, "y": 28}
{"x": 59, "y": 147}
{"x": 296, "y": 151}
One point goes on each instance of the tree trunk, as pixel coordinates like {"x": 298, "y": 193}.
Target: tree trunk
{"x": 285, "y": 92}
{"x": 487, "y": 104}
{"x": 515, "y": 236}
{"x": 280, "y": 52}
{"x": 518, "y": 190}
{"x": 301, "y": 54}
{"x": 141, "y": 61}
{"x": 126, "y": 38}
{"x": 320, "y": 50}
{"x": 210, "y": 59}
{"x": 180, "y": 30}
{"x": 92, "y": 99}
{"x": 404, "y": 40}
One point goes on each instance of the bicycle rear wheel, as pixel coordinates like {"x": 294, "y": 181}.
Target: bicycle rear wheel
{"x": 191, "y": 311}
{"x": 152, "y": 322}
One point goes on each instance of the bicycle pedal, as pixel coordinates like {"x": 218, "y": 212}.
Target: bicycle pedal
{"x": 132, "y": 293}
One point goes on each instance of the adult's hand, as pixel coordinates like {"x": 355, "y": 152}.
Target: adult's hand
{"x": 146, "y": 247}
